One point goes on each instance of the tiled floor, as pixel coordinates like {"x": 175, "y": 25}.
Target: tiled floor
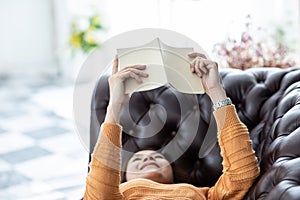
{"x": 41, "y": 156}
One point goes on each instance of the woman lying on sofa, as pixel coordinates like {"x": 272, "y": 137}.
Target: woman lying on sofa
{"x": 148, "y": 174}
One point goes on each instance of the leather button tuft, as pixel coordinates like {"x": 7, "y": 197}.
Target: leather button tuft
{"x": 239, "y": 105}
{"x": 151, "y": 105}
{"x": 197, "y": 164}
{"x": 131, "y": 132}
{"x": 173, "y": 133}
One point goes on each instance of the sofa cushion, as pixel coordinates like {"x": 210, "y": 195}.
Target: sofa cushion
{"x": 267, "y": 101}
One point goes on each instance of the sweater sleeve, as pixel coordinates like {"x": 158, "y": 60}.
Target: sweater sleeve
{"x": 104, "y": 177}
{"x": 240, "y": 166}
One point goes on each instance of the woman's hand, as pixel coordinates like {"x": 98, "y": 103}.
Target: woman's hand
{"x": 207, "y": 70}
{"x": 117, "y": 88}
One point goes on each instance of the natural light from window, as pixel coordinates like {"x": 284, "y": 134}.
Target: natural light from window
{"x": 205, "y": 21}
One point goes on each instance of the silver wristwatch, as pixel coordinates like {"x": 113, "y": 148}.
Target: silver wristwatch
{"x": 222, "y": 103}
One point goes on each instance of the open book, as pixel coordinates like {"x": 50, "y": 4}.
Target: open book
{"x": 165, "y": 65}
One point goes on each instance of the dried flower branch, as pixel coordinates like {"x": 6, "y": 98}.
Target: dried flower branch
{"x": 247, "y": 53}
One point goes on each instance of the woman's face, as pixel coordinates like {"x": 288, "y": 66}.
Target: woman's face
{"x": 150, "y": 165}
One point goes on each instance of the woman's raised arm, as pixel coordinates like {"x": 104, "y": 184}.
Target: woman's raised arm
{"x": 104, "y": 177}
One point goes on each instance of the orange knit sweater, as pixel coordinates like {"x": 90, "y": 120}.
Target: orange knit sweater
{"x": 240, "y": 167}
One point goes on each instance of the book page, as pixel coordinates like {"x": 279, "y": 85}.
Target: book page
{"x": 177, "y": 67}
{"x": 150, "y": 55}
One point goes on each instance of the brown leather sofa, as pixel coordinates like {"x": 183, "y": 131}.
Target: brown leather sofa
{"x": 267, "y": 101}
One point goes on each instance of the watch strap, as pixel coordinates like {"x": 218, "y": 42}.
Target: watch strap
{"x": 222, "y": 103}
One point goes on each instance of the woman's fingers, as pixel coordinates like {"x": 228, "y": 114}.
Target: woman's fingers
{"x": 199, "y": 66}
{"x": 192, "y": 66}
{"x": 196, "y": 54}
{"x": 142, "y": 67}
{"x": 203, "y": 64}
{"x": 115, "y": 65}
{"x": 130, "y": 74}
{"x": 139, "y": 72}
{"x": 135, "y": 72}
{"x": 211, "y": 65}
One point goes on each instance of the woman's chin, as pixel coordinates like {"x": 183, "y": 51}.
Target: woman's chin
{"x": 150, "y": 168}
{"x": 154, "y": 176}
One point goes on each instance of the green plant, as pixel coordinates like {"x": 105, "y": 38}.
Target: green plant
{"x": 85, "y": 38}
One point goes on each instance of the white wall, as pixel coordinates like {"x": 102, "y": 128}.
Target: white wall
{"x": 205, "y": 21}
{"x": 34, "y": 33}
{"x": 26, "y": 36}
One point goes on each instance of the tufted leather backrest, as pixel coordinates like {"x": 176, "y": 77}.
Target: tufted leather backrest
{"x": 267, "y": 101}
